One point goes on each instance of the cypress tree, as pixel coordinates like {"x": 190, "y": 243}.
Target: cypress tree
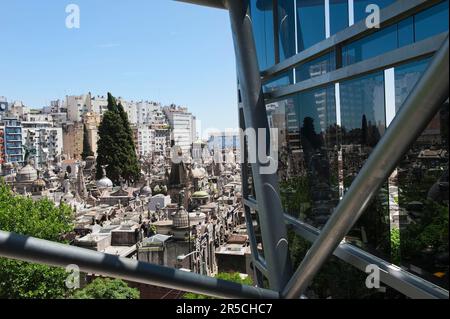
{"x": 87, "y": 148}
{"x": 116, "y": 145}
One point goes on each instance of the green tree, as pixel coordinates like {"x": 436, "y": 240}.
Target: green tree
{"x": 87, "y": 148}
{"x": 233, "y": 277}
{"x": 105, "y": 288}
{"x": 41, "y": 219}
{"x": 116, "y": 145}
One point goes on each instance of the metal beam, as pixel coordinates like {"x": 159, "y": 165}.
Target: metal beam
{"x": 55, "y": 254}
{"x": 402, "y": 55}
{"x": 420, "y": 107}
{"x": 395, "y": 277}
{"x": 397, "y": 11}
{"x": 270, "y": 209}
{"x": 206, "y": 3}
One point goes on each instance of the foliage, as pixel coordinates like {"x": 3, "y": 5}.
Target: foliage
{"x": 395, "y": 246}
{"x": 39, "y": 219}
{"x": 105, "y": 288}
{"x": 233, "y": 277}
{"x": 87, "y": 148}
{"x": 116, "y": 145}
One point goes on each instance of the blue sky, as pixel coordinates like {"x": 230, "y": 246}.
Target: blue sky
{"x": 159, "y": 50}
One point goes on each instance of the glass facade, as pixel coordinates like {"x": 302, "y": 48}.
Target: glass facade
{"x": 262, "y": 19}
{"x": 428, "y": 23}
{"x": 363, "y": 125}
{"x": 326, "y": 134}
{"x": 318, "y": 66}
{"x": 286, "y": 27}
{"x": 339, "y": 18}
{"x": 432, "y": 21}
{"x": 421, "y": 224}
{"x": 282, "y": 80}
{"x": 376, "y": 44}
{"x": 310, "y": 23}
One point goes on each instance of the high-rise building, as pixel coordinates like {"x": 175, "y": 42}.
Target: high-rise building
{"x": 183, "y": 127}
{"x": 144, "y": 139}
{"x": 77, "y": 106}
{"x": 43, "y": 139}
{"x": 13, "y": 140}
{"x": 2, "y": 144}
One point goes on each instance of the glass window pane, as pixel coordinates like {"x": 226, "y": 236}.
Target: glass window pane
{"x": 262, "y": 18}
{"x": 316, "y": 67}
{"x": 363, "y": 125}
{"x": 422, "y": 183}
{"x": 406, "y": 76}
{"x": 286, "y": 25}
{"x": 279, "y": 81}
{"x": 376, "y": 44}
{"x": 338, "y": 15}
{"x": 361, "y": 5}
{"x": 432, "y": 21}
{"x": 310, "y": 23}
{"x": 405, "y": 32}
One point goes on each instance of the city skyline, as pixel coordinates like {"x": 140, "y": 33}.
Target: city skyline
{"x": 52, "y": 61}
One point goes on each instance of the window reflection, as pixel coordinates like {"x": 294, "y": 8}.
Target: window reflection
{"x": 428, "y": 23}
{"x": 363, "y": 124}
{"x": 262, "y": 19}
{"x": 278, "y": 82}
{"x": 286, "y": 26}
{"x": 423, "y": 198}
{"x": 338, "y": 15}
{"x": 376, "y": 44}
{"x": 316, "y": 67}
{"x": 432, "y": 21}
{"x": 310, "y": 23}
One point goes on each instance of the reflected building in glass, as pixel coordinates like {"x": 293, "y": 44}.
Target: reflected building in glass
{"x": 333, "y": 107}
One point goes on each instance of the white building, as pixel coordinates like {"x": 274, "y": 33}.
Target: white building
{"x": 44, "y": 138}
{"x": 183, "y": 127}
{"x": 77, "y": 106}
{"x": 146, "y": 111}
{"x": 98, "y": 104}
{"x": 162, "y": 138}
{"x": 131, "y": 110}
{"x": 145, "y": 140}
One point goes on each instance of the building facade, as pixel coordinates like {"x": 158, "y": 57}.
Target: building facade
{"x": 2, "y": 144}
{"x": 44, "y": 141}
{"x": 73, "y": 139}
{"x": 183, "y": 127}
{"x": 145, "y": 140}
{"x": 13, "y": 140}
